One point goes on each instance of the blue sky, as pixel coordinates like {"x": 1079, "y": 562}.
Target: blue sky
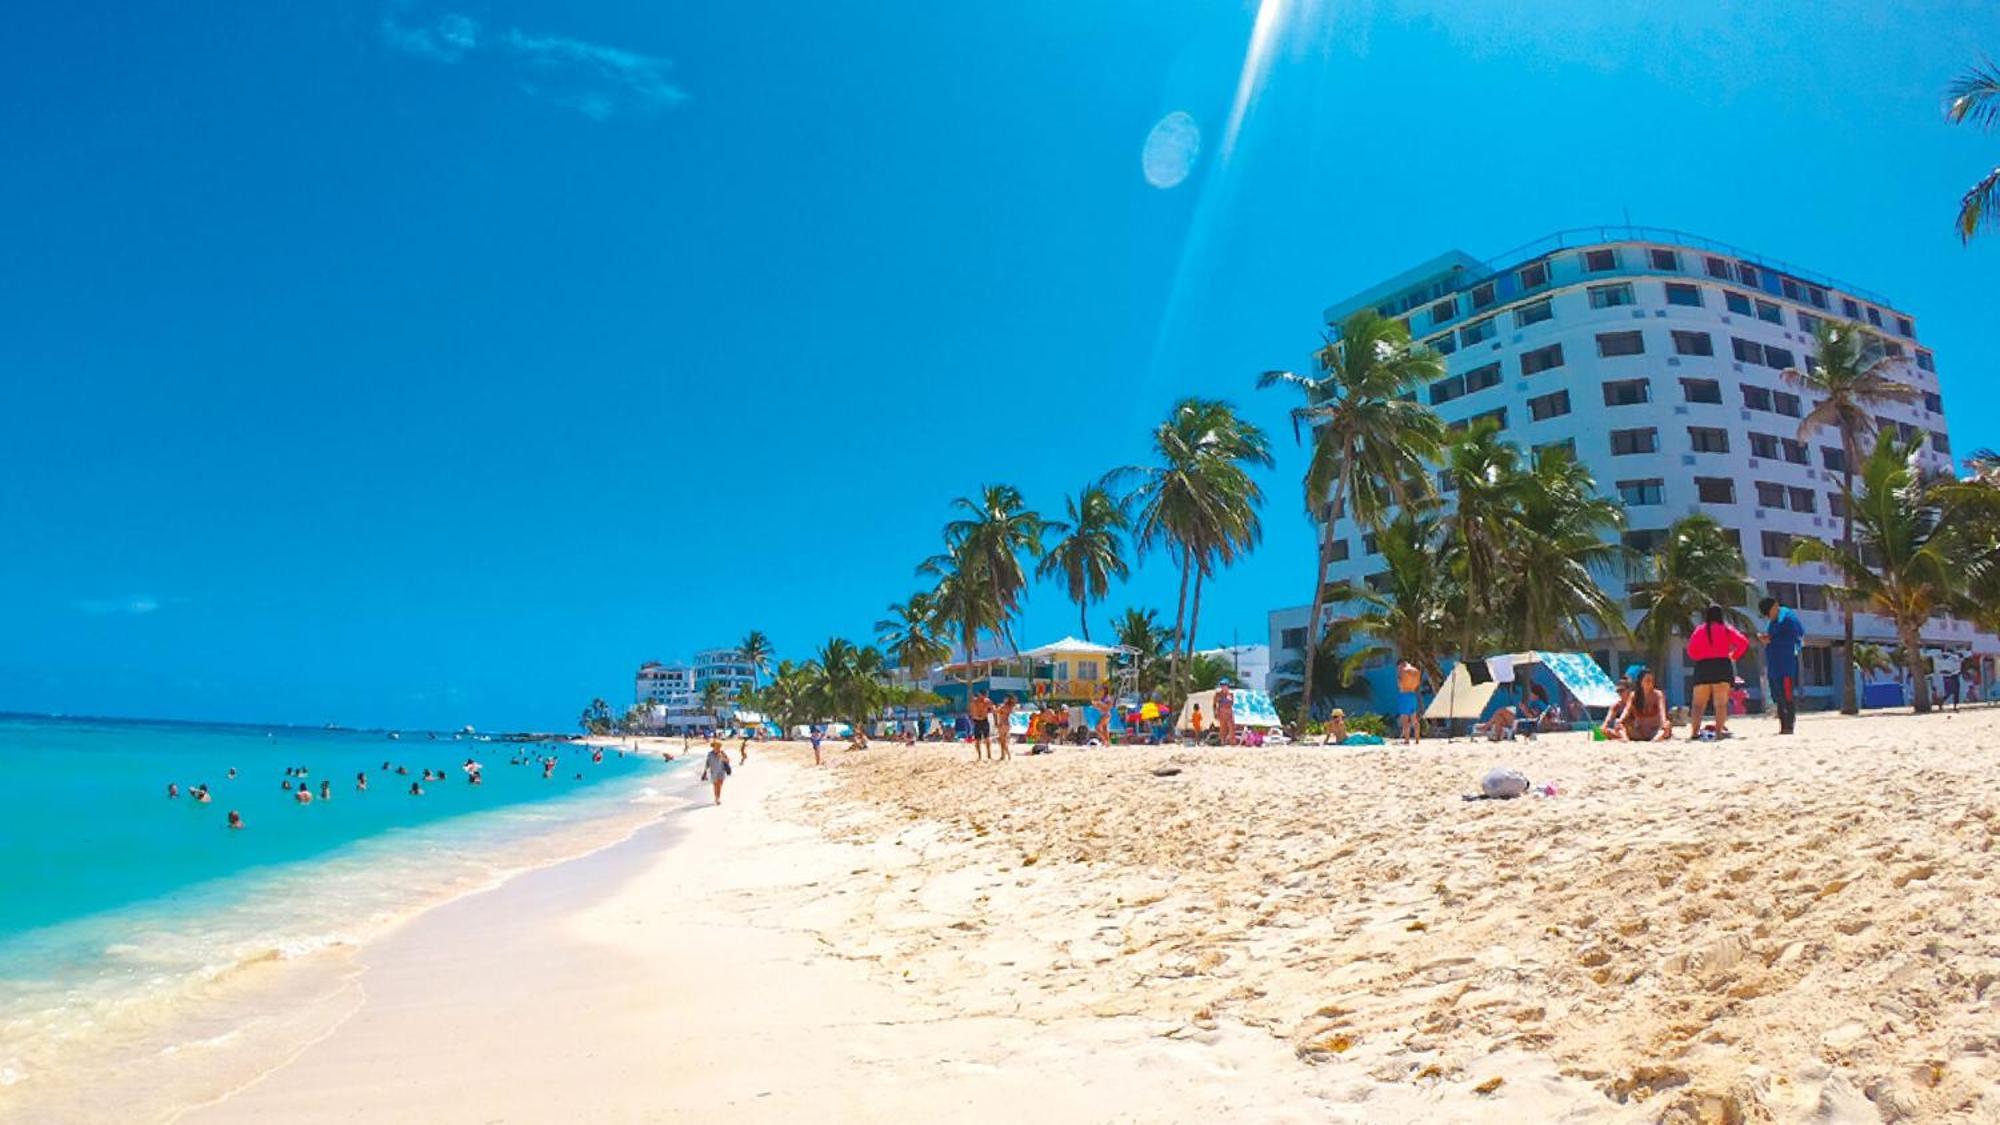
{"x": 421, "y": 364}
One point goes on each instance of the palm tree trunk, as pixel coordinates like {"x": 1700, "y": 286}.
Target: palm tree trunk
{"x": 1194, "y": 611}
{"x": 1913, "y": 661}
{"x": 1083, "y": 617}
{"x": 1844, "y": 666}
{"x": 1318, "y": 604}
{"x": 1180, "y": 623}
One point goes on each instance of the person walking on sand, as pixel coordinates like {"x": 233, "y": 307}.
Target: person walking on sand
{"x": 1225, "y": 713}
{"x": 1783, "y": 637}
{"x": 716, "y": 769}
{"x": 816, "y": 734}
{"x": 981, "y": 710}
{"x": 1409, "y": 717}
{"x": 743, "y": 749}
{"x": 1714, "y": 647}
{"x": 1003, "y": 719}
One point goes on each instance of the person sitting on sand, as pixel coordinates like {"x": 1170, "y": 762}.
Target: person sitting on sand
{"x": 1336, "y": 728}
{"x": 1614, "y": 719}
{"x": 235, "y": 819}
{"x": 716, "y": 769}
{"x": 1499, "y": 725}
{"x": 1647, "y": 718}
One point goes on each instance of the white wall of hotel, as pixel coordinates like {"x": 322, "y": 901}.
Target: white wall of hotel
{"x": 1656, "y": 356}
{"x": 1251, "y": 663}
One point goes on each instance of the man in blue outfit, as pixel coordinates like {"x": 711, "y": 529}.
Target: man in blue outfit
{"x": 1783, "y": 635}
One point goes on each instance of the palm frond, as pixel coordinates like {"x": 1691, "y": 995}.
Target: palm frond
{"x": 1980, "y": 207}
{"x": 1974, "y": 96}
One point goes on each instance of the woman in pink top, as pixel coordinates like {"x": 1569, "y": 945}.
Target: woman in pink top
{"x": 1714, "y": 649}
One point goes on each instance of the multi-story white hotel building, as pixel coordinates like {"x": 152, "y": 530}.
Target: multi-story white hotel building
{"x": 1654, "y": 356}
{"x": 725, "y": 666}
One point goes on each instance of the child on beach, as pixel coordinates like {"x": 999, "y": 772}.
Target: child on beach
{"x": 716, "y": 768}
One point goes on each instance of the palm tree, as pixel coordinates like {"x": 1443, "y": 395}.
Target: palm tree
{"x": 1198, "y": 501}
{"x": 755, "y": 648}
{"x": 1369, "y": 442}
{"x": 1145, "y": 640}
{"x": 963, "y": 600}
{"x": 1330, "y": 673}
{"x": 995, "y": 531}
{"x": 1975, "y": 96}
{"x": 1414, "y": 613}
{"x": 1486, "y": 473}
{"x": 1695, "y": 566}
{"x": 1089, "y": 554}
{"x": 1206, "y": 671}
{"x": 1912, "y": 561}
{"x": 1851, "y": 375}
{"x": 909, "y": 635}
{"x": 713, "y": 696}
{"x": 1869, "y": 658}
{"x": 1560, "y": 547}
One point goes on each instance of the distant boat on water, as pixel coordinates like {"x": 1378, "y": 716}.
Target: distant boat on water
{"x": 395, "y": 737}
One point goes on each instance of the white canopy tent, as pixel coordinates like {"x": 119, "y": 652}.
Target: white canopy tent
{"x": 1460, "y": 698}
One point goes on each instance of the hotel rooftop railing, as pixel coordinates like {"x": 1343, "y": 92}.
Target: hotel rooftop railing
{"x": 1589, "y": 236}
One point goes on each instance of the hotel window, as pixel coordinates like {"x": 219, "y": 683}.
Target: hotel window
{"x": 1747, "y": 273}
{"x": 1566, "y": 447}
{"x": 1715, "y": 490}
{"x": 1756, "y": 398}
{"x": 1717, "y": 268}
{"x": 1737, "y": 302}
{"x": 1778, "y": 358}
{"x": 1481, "y": 377}
{"x": 1444, "y": 310}
{"x": 1790, "y": 289}
{"x": 1849, "y": 309}
{"x": 1833, "y": 459}
{"x": 1815, "y": 666}
{"x": 1777, "y": 545}
{"x": 1337, "y": 551}
{"x": 1746, "y": 351}
{"x": 1477, "y": 331}
{"x": 1940, "y": 442}
{"x": 1787, "y": 593}
{"x": 1808, "y": 323}
{"x": 1620, "y": 343}
{"x": 1624, "y": 443}
{"x": 1768, "y": 311}
{"x": 1764, "y": 445}
{"x": 1646, "y": 540}
{"x": 1497, "y": 417}
{"x": 1600, "y": 261}
{"x": 1802, "y": 500}
{"x": 1894, "y": 349}
{"x": 1770, "y": 495}
{"x": 1693, "y": 343}
{"x": 1534, "y": 314}
{"x": 1812, "y": 596}
{"x": 1681, "y": 293}
{"x": 1701, "y": 390}
{"x": 1534, "y": 275}
{"x": 1933, "y": 403}
{"x": 1628, "y": 392}
{"x": 1709, "y": 439}
{"x": 1786, "y": 403}
{"x": 1641, "y": 493}
{"x": 1442, "y": 345}
{"x": 1905, "y": 329}
{"x": 1541, "y": 359}
{"x": 1292, "y": 638}
{"x": 1836, "y": 505}
{"x": 1875, "y": 316}
{"x": 1665, "y": 259}
{"x": 1445, "y": 483}
{"x": 1544, "y": 407}
{"x": 1482, "y": 294}
{"x": 1816, "y": 296}
{"x": 1925, "y": 361}
{"x": 1444, "y": 390}
{"x": 1369, "y": 544}
{"x": 1610, "y": 296}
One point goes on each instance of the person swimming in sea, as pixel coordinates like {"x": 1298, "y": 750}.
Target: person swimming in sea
{"x": 173, "y": 790}
{"x": 361, "y": 782}
{"x": 235, "y": 819}
{"x": 200, "y": 794}
{"x": 303, "y": 795}
{"x": 416, "y": 790}
{"x": 232, "y": 773}
{"x": 326, "y": 790}
{"x": 286, "y": 784}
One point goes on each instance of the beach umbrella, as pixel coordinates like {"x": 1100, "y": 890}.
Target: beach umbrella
{"x": 1149, "y": 711}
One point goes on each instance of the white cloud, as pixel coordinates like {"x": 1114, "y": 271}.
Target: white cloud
{"x": 595, "y": 79}
{"x": 132, "y": 605}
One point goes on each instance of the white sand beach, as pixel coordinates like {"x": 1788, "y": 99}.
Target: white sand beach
{"x": 1766, "y": 929}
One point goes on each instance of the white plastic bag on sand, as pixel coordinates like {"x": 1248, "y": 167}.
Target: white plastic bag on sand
{"x": 1502, "y": 783}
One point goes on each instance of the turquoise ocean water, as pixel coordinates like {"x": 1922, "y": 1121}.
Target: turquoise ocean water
{"x": 120, "y": 906}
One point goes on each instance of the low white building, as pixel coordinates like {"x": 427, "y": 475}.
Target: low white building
{"x": 1251, "y": 664}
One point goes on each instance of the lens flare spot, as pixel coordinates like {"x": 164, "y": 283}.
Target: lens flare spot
{"x": 1171, "y": 149}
